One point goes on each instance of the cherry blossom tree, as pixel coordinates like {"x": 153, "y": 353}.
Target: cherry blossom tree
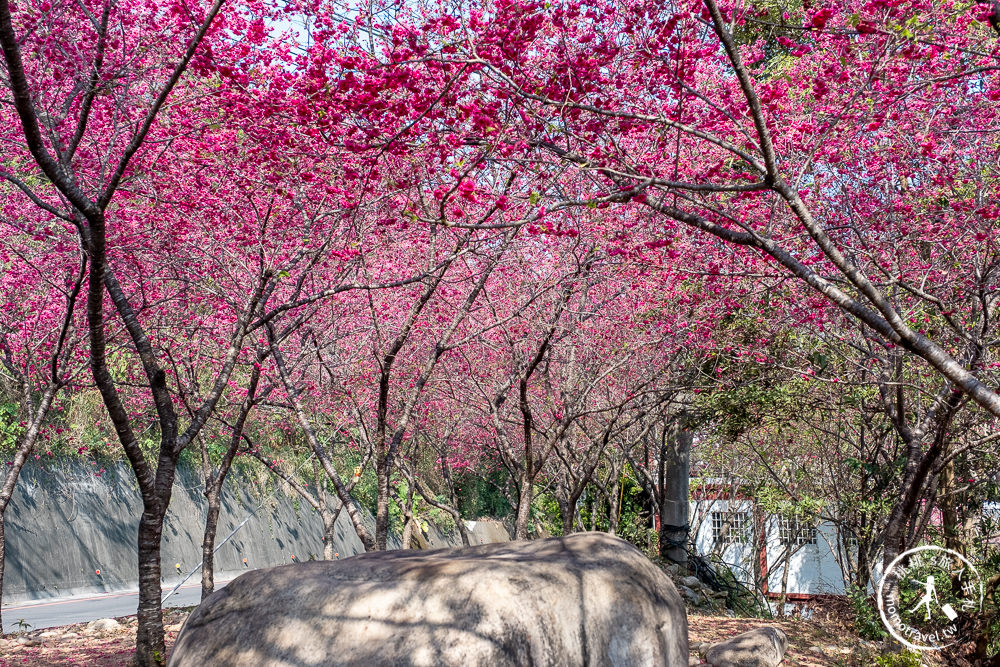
{"x": 40, "y": 339}
{"x": 759, "y": 129}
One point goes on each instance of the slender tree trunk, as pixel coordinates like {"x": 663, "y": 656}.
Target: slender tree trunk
{"x": 456, "y": 516}
{"x": 567, "y": 511}
{"x": 862, "y": 573}
{"x": 214, "y": 481}
{"x": 357, "y": 520}
{"x": 454, "y": 509}
{"x": 462, "y": 529}
{"x": 592, "y": 501}
{"x": 614, "y": 507}
{"x": 26, "y": 446}
{"x": 3, "y": 551}
{"x": 382, "y": 506}
{"x": 759, "y": 558}
{"x": 786, "y": 565}
{"x": 329, "y": 531}
{"x": 328, "y": 467}
{"x": 214, "y": 495}
{"x": 408, "y": 518}
{"x": 953, "y": 535}
{"x": 524, "y": 499}
{"x": 451, "y": 509}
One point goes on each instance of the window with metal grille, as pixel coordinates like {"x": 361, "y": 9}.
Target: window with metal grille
{"x": 796, "y": 531}
{"x": 731, "y": 527}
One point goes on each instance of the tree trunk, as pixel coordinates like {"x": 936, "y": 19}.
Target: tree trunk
{"x": 25, "y": 447}
{"x": 759, "y": 558}
{"x": 407, "y": 533}
{"x": 567, "y": 511}
{"x": 451, "y": 509}
{"x": 382, "y": 507}
{"x": 614, "y": 506}
{"x": 3, "y": 549}
{"x": 406, "y": 508}
{"x": 566, "y": 514}
{"x": 524, "y": 499}
{"x": 862, "y": 572}
{"x": 329, "y": 526}
{"x": 462, "y": 529}
{"x": 593, "y": 510}
{"x": 214, "y": 495}
{"x": 891, "y": 548}
{"x": 675, "y": 504}
{"x": 150, "y": 648}
{"x": 786, "y": 565}
{"x": 213, "y": 483}
{"x": 953, "y": 536}
{"x": 331, "y": 471}
{"x": 357, "y": 520}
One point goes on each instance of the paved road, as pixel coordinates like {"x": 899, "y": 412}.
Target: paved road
{"x": 80, "y": 609}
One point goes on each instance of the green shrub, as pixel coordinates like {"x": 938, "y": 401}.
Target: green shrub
{"x": 867, "y": 621}
{"x": 482, "y": 497}
{"x": 902, "y": 659}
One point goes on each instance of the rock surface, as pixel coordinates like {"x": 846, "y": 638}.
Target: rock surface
{"x": 587, "y": 599}
{"x": 104, "y": 625}
{"x": 761, "y": 647}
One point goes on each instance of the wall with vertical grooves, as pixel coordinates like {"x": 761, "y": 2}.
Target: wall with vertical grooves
{"x": 65, "y": 523}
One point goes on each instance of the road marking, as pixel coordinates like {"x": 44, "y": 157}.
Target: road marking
{"x": 99, "y": 596}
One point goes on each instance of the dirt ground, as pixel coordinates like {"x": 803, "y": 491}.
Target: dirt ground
{"x": 811, "y": 643}
{"x": 79, "y": 645}
{"x": 82, "y": 645}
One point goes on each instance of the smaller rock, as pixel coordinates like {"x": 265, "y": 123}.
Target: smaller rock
{"x": 70, "y": 635}
{"x": 761, "y": 647}
{"x": 47, "y": 634}
{"x": 817, "y": 650}
{"x": 696, "y": 599}
{"x": 27, "y": 641}
{"x": 104, "y": 625}
{"x": 691, "y": 581}
{"x": 692, "y": 661}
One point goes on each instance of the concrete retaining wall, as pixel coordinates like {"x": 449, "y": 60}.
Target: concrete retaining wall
{"x": 64, "y": 524}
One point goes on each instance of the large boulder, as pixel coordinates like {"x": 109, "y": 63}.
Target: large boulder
{"x": 587, "y": 599}
{"x": 760, "y": 647}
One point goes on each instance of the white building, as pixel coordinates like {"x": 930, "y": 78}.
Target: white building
{"x": 749, "y": 541}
